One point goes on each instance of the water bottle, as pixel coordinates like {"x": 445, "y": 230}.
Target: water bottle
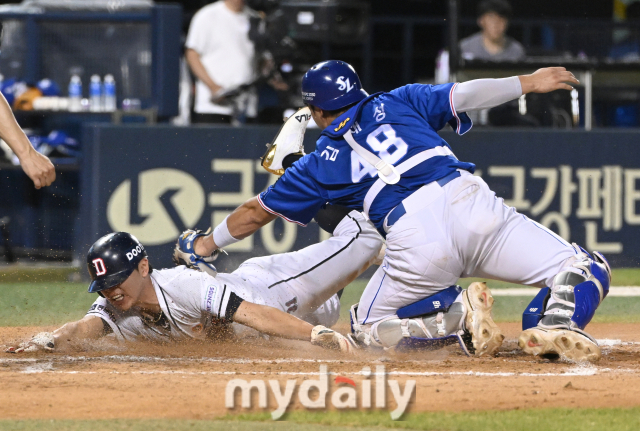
{"x": 75, "y": 94}
{"x": 109, "y": 93}
{"x": 95, "y": 94}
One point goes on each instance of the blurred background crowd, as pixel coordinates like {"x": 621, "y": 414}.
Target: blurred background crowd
{"x": 241, "y": 60}
{"x": 238, "y": 63}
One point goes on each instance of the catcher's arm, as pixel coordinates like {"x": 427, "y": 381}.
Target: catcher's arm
{"x": 244, "y": 221}
{"x": 63, "y": 338}
{"x": 487, "y": 93}
{"x": 272, "y": 321}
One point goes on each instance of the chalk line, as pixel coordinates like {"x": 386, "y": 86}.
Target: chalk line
{"x": 625, "y": 291}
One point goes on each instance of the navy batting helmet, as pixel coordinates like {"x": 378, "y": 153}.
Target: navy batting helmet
{"x": 332, "y": 85}
{"x": 112, "y": 259}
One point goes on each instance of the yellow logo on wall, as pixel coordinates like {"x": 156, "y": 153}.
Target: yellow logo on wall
{"x": 160, "y": 192}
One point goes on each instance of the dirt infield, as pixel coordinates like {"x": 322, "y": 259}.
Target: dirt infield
{"x": 188, "y": 381}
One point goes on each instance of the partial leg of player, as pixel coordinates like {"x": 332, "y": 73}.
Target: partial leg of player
{"x": 303, "y": 282}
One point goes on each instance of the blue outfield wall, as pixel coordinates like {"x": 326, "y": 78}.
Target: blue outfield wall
{"x": 155, "y": 181}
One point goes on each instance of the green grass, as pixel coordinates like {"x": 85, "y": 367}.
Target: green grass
{"x": 30, "y": 304}
{"x": 55, "y": 302}
{"x": 30, "y": 274}
{"x": 510, "y": 420}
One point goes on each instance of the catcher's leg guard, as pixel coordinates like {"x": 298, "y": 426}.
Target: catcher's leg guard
{"x": 569, "y": 305}
{"x": 447, "y": 319}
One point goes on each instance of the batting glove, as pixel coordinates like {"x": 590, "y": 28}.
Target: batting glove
{"x": 43, "y": 341}
{"x": 330, "y": 339}
{"x": 184, "y": 253}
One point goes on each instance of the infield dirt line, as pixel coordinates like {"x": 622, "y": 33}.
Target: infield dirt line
{"x": 137, "y": 358}
{"x": 578, "y": 370}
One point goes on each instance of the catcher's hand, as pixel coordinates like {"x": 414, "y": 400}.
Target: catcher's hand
{"x": 330, "y": 339}
{"x": 43, "y": 341}
{"x": 184, "y": 254}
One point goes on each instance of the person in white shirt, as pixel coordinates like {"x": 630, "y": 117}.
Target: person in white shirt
{"x": 222, "y": 57}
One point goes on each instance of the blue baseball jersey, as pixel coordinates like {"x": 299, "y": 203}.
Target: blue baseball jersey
{"x": 395, "y": 126}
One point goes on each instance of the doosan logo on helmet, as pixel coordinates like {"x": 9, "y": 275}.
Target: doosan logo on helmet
{"x": 134, "y": 252}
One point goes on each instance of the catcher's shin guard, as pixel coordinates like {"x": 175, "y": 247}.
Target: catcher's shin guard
{"x": 464, "y": 319}
{"x": 287, "y": 142}
{"x": 569, "y": 305}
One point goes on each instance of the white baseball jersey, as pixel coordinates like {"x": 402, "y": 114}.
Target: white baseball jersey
{"x": 303, "y": 283}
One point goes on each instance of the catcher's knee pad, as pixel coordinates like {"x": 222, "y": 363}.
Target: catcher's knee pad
{"x": 574, "y": 297}
{"x": 440, "y": 327}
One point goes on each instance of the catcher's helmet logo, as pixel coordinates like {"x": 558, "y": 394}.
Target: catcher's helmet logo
{"x": 344, "y": 84}
{"x": 100, "y": 268}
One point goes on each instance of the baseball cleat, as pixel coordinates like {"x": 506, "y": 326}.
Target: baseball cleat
{"x": 288, "y": 141}
{"x": 563, "y": 343}
{"x": 486, "y": 336}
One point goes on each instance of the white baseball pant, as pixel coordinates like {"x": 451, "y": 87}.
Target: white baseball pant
{"x": 459, "y": 230}
{"x": 305, "y": 282}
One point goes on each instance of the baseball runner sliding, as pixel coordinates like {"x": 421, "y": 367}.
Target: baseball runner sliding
{"x": 290, "y": 295}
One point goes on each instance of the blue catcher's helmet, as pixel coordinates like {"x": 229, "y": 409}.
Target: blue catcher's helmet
{"x": 332, "y": 85}
{"x": 112, "y": 259}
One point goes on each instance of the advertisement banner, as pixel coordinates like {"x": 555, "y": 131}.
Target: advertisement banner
{"x": 156, "y": 181}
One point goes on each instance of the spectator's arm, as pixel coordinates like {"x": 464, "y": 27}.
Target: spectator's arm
{"x": 198, "y": 69}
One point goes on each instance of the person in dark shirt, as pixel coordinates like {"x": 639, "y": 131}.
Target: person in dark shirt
{"x": 492, "y": 43}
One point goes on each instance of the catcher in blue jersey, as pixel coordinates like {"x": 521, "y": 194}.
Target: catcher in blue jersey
{"x": 381, "y": 154}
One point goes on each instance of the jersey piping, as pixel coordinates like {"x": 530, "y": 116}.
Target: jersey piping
{"x": 269, "y": 210}
{"x": 324, "y": 261}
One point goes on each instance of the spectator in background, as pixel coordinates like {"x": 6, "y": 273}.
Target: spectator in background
{"x": 222, "y": 57}
{"x": 492, "y": 43}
